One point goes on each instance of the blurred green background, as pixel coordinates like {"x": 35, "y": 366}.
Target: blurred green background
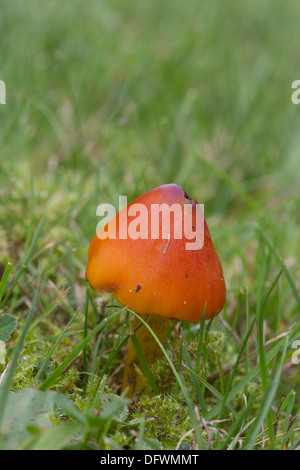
{"x": 107, "y": 98}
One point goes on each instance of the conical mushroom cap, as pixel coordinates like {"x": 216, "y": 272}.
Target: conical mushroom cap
{"x": 159, "y": 276}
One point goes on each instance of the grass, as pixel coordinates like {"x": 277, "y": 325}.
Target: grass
{"x": 111, "y": 99}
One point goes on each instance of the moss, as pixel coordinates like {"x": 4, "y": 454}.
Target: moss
{"x": 214, "y": 341}
{"x": 166, "y": 419}
{"x": 254, "y": 388}
{"x": 33, "y": 354}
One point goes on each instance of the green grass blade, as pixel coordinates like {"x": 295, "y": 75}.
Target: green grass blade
{"x": 49, "y": 355}
{"x": 254, "y": 372}
{"x": 85, "y": 377}
{"x": 266, "y": 402}
{"x": 61, "y": 368}
{"x": 4, "y": 279}
{"x": 26, "y": 258}
{"x": 181, "y": 384}
{"x": 8, "y": 378}
{"x": 144, "y": 364}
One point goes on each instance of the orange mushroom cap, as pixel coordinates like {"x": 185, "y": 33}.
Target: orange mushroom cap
{"x": 159, "y": 276}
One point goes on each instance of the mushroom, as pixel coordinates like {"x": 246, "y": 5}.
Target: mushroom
{"x": 156, "y": 267}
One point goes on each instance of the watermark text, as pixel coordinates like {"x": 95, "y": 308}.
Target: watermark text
{"x": 2, "y": 92}
{"x": 159, "y": 221}
{"x": 296, "y": 94}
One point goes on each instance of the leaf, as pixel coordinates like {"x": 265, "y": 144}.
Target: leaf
{"x": 113, "y": 407}
{"x": 55, "y": 438}
{"x": 8, "y": 324}
{"x": 30, "y": 410}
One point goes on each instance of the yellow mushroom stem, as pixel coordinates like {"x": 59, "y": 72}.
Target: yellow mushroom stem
{"x": 151, "y": 350}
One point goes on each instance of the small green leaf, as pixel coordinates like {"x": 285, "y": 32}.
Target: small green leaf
{"x": 54, "y": 438}
{"x": 8, "y": 324}
{"x": 27, "y": 420}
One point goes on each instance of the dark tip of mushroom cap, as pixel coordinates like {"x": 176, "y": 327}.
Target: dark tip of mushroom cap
{"x": 187, "y": 196}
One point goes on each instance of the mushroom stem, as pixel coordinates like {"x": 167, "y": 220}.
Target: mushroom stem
{"x": 152, "y": 352}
